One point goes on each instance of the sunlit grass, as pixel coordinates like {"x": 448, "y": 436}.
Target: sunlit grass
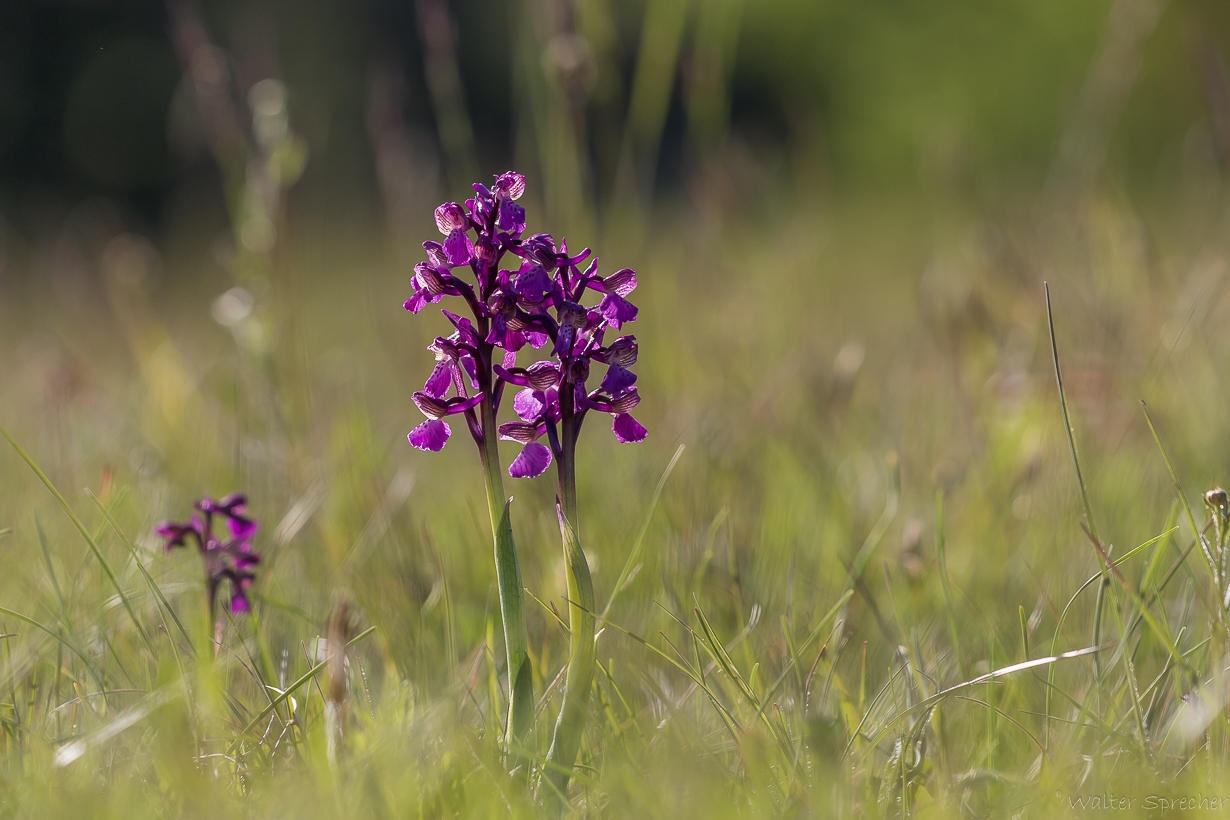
{"x": 784, "y": 624}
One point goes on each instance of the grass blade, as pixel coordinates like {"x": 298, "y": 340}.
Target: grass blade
{"x": 89, "y": 540}
{"x": 1191, "y": 519}
{"x": 72, "y": 647}
{"x": 1080, "y": 478}
{"x": 149, "y": 579}
{"x": 1004, "y": 671}
{"x": 637, "y": 545}
{"x": 1067, "y": 420}
{"x": 285, "y": 693}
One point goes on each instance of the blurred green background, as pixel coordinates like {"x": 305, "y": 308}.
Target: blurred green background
{"x": 841, "y": 215}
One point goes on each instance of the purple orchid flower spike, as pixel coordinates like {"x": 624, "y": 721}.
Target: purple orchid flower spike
{"x": 578, "y": 332}
{"x": 506, "y": 311}
{"x": 542, "y": 298}
{"x": 551, "y": 291}
{"x": 231, "y": 559}
{"x": 452, "y": 222}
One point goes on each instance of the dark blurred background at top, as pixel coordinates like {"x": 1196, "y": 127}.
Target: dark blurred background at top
{"x": 617, "y": 106}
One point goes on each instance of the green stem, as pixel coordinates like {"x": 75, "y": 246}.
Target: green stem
{"x": 566, "y": 468}
{"x": 581, "y": 622}
{"x": 508, "y": 579}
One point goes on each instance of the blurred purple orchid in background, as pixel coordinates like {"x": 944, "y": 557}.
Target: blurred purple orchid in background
{"x": 232, "y": 559}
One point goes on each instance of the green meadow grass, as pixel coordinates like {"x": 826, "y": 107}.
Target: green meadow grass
{"x": 857, "y": 494}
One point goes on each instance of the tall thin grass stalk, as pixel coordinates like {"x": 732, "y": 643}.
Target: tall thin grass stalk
{"x": 1080, "y": 481}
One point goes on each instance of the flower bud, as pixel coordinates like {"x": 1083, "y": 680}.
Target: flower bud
{"x": 502, "y": 302}
{"x": 578, "y": 370}
{"x": 450, "y": 217}
{"x": 624, "y": 403}
{"x": 622, "y": 351}
{"x": 435, "y": 253}
{"x": 432, "y": 407}
{"x": 543, "y": 375}
{"x": 485, "y": 250}
{"x": 540, "y": 249}
{"x": 444, "y": 349}
{"x": 571, "y": 314}
{"x": 509, "y": 185}
{"x": 621, "y": 282}
{"x": 519, "y": 431}
{"x": 429, "y": 279}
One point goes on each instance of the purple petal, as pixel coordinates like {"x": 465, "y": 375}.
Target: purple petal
{"x": 466, "y": 334}
{"x": 617, "y": 309}
{"x": 427, "y": 277}
{"x": 242, "y": 528}
{"x": 233, "y": 503}
{"x": 627, "y": 401}
{"x": 460, "y": 404}
{"x": 499, "y": 327}
{"x": 247, "y": 560}
{"x": 416, "y": 302}
{"x": 617, "y": 380}
{"x": 510, "y": 358}
{"x": 459, "y": 247}
{"x": 239, "y": 598}
{"x": 513, "y": 341}
{"x": 536, "y": 339}
{"x": 532, "y": 283}
{"x": 468, "y": 363}
{"x": 512, "y": 216}
{"x": 510, "y": 340}
{"x": 430, "y": 435}
{"x": 512, "y": 375}
{"x": 627, "y": 429}
{"x": 553, "y": 411}
{"x": 440, "y": 380}
{"x": 529, "y": 404}
{"x": 622, "y": 352}
{"x": 531, "y": 463}
{"x": 573, "y": 261}
{"x": 175, "y": 533}
{"x": 563, "y": 341}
